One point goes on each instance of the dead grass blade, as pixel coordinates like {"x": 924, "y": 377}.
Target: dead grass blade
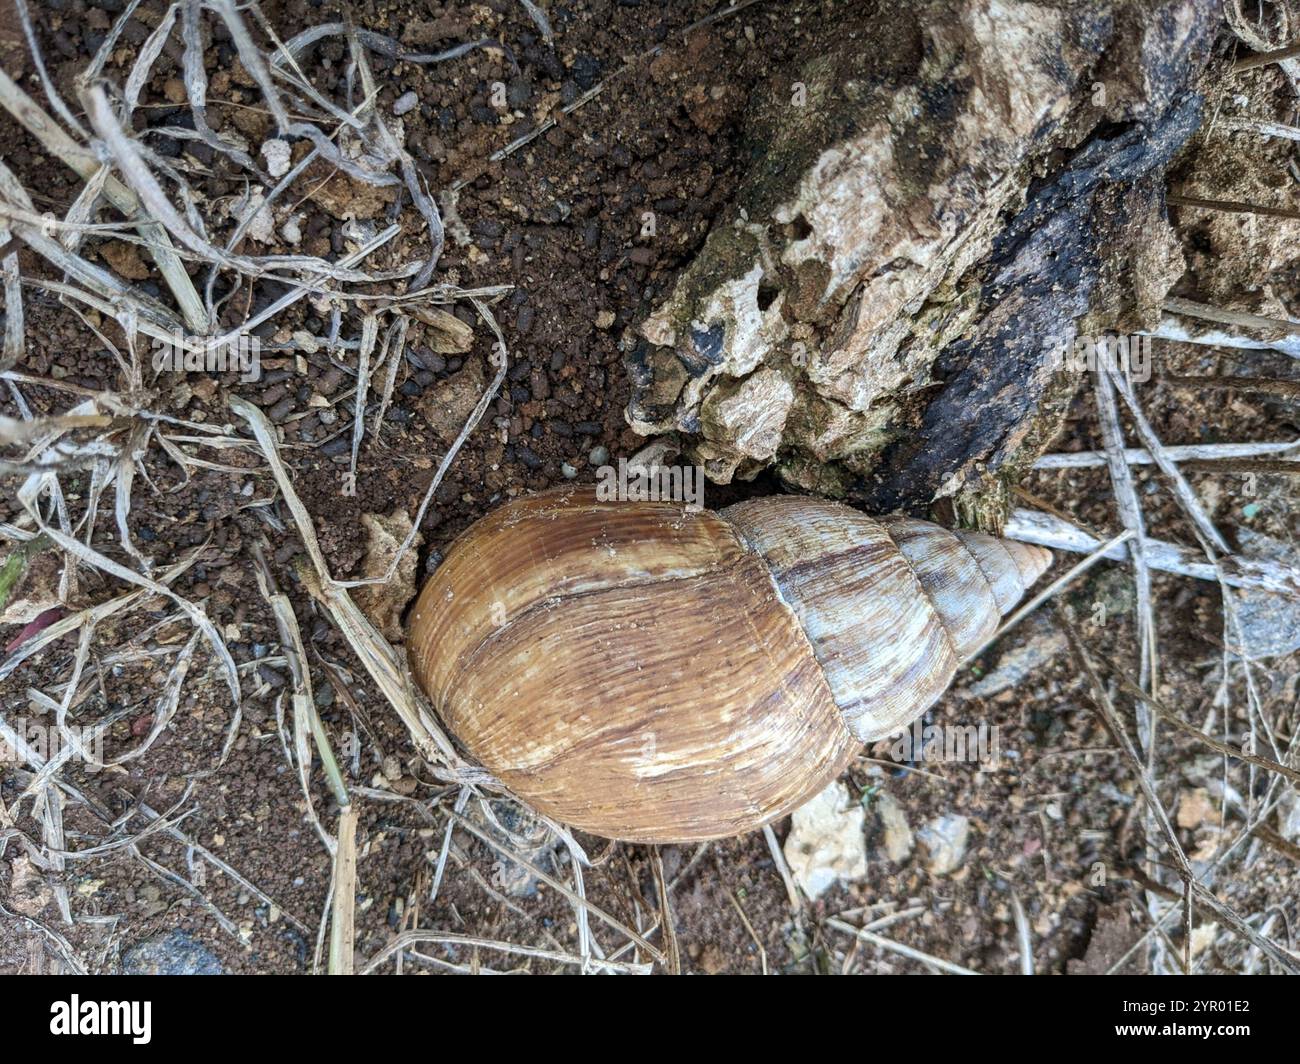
{"x": 888, "y": 944}
{"x": 1047, "y": 530}
{"x": 342, "y": 922}
{"x": 555, "y": 884}
{"x": 451, "y": 938}
{"x": 1106, "y": 709}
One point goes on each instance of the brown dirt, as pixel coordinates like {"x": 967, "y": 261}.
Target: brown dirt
{"x": 559, "y": 221}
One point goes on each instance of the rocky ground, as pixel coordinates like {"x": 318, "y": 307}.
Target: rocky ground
{"x": 960, "y": 859}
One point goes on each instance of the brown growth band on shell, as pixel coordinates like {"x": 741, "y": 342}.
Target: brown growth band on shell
{"x": 646, "y": 673}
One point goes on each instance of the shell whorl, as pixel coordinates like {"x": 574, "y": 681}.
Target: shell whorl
{"x": 891, "y": 606}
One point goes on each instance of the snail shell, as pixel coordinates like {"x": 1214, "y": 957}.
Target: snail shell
{"x": 647, "y": 673}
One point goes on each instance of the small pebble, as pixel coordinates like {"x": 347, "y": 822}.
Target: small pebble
{"x": 282, "y": 409}
{"x": 408, "y": 101}
{"x": 271, "y": 676}
{"x": 329, "y": 381}
{"x": 278, "y": 156}
{"x": 171, "y": 953}
{"x": 599, "y": 456}
{"x": 273, "y": 395}
{"x": 569, "y": 471}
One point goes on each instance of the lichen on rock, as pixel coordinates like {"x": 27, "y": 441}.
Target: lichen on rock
{"x": 860, "y": 249}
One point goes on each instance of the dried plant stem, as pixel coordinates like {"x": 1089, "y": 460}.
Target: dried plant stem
{"x": 1130, "y": 512}
{"x": 871, "y": 938}
{"x": 555, "y": 884}
{"x": 1022, "y": 934}
{"x": 1207, "y": 456}
{"x": 1260, "y": 385}
{"x": 1227, "y": 749}
{"x": 1252, "y": 62}
{"x": 1182, "y": 490}
{"x": 666, "y": 918}
{"x": 1047, "y": 530}
{"x": 1106, "y": 709}
{"x": 451, "y": 938}
{"x": 1184, "y": 321}
{"x": 52, "y": 137}
{"x": 1257, "y": 125}
{"x": 1233, "y": 206}
{"x": 342, "y": 920}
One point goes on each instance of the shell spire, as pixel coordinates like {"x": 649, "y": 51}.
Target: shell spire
{"x": 888, "y": 653}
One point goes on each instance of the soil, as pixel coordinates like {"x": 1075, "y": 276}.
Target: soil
{"x": 561, "y": 222}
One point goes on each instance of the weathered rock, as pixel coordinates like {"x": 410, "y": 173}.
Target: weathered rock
{"x": 125, "y": 260}
{"x": 947, "y": 192}
{"x": 385, "y": 603}
{"x": 898, "y": 834}
{"x": 447, "y": 405}
{"x": 1043, "y": 644}
{"x": 28, "y": 893}
{"x": 944, "y": 839}
{"x": 1269, "y": 623}
{"x": 1194, "y": 807}
{"x": 253, "y": 209}
{"x": 278, "y": 155}
{"x": 172, "y": 953}
{"x": 826, "y": 843}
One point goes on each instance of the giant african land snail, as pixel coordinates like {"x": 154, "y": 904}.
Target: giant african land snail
{"x": 646, "y": 673}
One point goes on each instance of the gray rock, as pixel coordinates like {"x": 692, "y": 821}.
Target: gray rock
{"x": 944, "y": 839}
{"x": 1015, "y": 666}
{"x": 171, "y": 953}
{"x": 526, "y": 835}
{"x": 408, "y": 101}
{"x": 1270, "y": 624}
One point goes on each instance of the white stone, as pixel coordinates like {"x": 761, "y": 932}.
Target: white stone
{"x": 278, "y": 156}
{"x": 826, "y": 842}
{"x": 944, "y": 839}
